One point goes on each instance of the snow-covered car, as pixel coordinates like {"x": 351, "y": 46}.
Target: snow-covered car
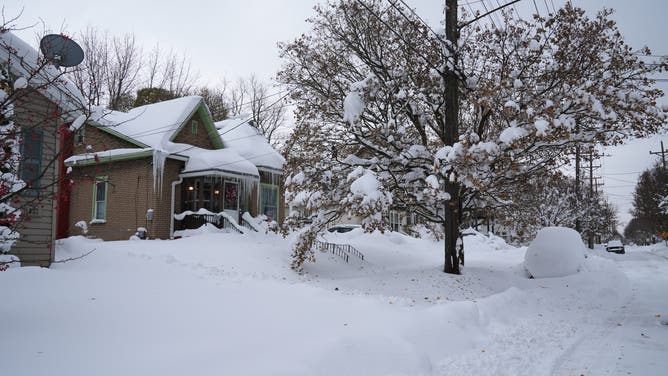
{"x": 615, "y": 246}
{"x": 343, "y": 228}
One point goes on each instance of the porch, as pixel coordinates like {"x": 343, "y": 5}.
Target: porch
{"x": 221, "y": 199}
{"x": 220, "y": 194}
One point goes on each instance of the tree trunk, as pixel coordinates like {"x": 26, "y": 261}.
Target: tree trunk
{"x": 450, "y": 136}
{"x": 451, "y": 227}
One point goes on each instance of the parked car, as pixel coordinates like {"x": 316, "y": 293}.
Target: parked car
{"x": 615, "y": 246}
{"x": 343, "y": 228}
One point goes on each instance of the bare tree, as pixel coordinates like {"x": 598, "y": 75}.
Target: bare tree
{"x": 216, "y": 99}
{"x": 169, "y": 71}
{"x": 110, "y": 73}
{"x": 115, "y": 68}
{"x": 91, "y": 77}
{"x": 123, "y": 69}
{"x": 251, "y": 97}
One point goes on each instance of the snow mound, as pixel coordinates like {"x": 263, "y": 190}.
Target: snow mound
{"x": 555, "y": 252}
{"x": 477, "y": 240}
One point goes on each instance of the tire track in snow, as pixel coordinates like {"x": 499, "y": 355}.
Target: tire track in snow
{"x": 633, "y": 340}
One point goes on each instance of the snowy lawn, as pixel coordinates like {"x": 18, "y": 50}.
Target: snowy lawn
{"x": 228, "y": 304}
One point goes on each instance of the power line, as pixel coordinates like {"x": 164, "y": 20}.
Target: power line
{"x": 621, "y": 180}
{"x": 488, "y": 13}
{"x": 416, "y": 15}
{"x": 642, "y": 54}
{"x": 626, "y": 173}
{"x": 410, "y": 45}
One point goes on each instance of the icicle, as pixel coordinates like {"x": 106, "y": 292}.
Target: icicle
{"x": 159, "y": 157}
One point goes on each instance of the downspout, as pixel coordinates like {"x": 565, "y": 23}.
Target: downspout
{"x": 171, "y": 212}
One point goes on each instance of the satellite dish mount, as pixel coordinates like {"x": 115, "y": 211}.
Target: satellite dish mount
{"x": 61, "y": 51}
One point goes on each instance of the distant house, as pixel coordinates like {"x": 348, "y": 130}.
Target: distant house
{"x": 167, "y": 166}
{"x": 43, "y": 109}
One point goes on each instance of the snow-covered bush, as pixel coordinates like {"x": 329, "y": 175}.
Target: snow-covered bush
{"x": 10, "y": 182}
{"x": 83, "y": 226}
{"x": 555, "y": 252}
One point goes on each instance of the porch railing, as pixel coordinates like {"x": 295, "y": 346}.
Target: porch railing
{"x": 342, "y": 250}
{"x": 245, "y": 224}
{"x": 193, "y": 221}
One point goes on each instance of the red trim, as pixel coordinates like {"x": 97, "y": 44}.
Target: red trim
{"x": 64, "y": 186}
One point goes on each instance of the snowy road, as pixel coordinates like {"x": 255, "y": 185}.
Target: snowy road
{"x": 634, "y": 339}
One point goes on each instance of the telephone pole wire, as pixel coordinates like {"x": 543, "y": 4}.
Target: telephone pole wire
{"x": 663, "y": 155}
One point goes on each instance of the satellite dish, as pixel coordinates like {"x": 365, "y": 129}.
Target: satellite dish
{"x": 61, "y": 50}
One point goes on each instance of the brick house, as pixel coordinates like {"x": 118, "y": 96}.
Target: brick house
{"x": 157, "y": 166}
{"x": 43, "y": 109}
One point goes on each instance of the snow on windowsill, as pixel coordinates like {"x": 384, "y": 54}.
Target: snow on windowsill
{"x": 98, "y": 221}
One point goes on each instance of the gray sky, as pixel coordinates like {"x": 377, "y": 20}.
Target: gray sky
{"x": 236, "y": 38}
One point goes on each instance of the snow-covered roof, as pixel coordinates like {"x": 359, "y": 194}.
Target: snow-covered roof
{"x": 23, "y": 60}
{"x": 153, "y": 124}
{"x": 221, "y": 160}
{"x": 239, "y": 135}
{"x": 105, "y": 155}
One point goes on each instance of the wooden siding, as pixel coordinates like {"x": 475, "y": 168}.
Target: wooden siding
{"x": 98, "y": 140}
{"x": 37, "y": 229}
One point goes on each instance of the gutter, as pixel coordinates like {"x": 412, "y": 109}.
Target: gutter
{"x": 171, "y": 212}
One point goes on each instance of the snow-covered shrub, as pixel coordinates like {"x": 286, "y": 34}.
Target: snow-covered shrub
{"x": 7, "y": 261}
{"x": 555, "y": 252}
{"x": 83, "y": 226}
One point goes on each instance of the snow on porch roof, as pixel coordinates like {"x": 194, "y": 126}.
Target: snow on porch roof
{"x": 239, "y": 135}
{"x": 153, "y": 124}
{"x": 213, "y": 162}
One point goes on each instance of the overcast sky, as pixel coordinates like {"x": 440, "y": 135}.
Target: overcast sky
{"x": 235, "y": 38}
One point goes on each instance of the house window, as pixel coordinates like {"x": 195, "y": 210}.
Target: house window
{"x": 100, "y": 200}
{"x": 395, "y": 222}
{"x": 269, "y": 200}
{"x": 31, "y": 160}
{"x": 80, "y": 136}
{"x": 193, "y": 126}
{"x": 192, "y": 195}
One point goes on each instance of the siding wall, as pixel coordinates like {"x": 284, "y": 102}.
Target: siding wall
{"x": 99, "y": 141}
{"x": 200, "y": 139}
{"x": 37, "y": 230}
{"x": 129, "y": 195}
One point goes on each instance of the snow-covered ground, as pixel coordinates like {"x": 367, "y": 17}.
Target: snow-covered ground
{"x": 228, "y": 304}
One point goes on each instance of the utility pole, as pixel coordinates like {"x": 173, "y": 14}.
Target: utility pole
{"x": 590, "y": 237}
{"x": 451, "y": 134}
{"x": 578, "y": 199}
{"x": 663, "y": 155}
{"x": 454, "y": 247}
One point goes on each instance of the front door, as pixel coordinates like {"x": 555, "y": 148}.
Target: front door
{"x": 231, "y": 199}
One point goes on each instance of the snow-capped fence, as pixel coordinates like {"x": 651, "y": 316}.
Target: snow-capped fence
{"x": 342, "y": 250}
{"x": 196, "y": 220}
